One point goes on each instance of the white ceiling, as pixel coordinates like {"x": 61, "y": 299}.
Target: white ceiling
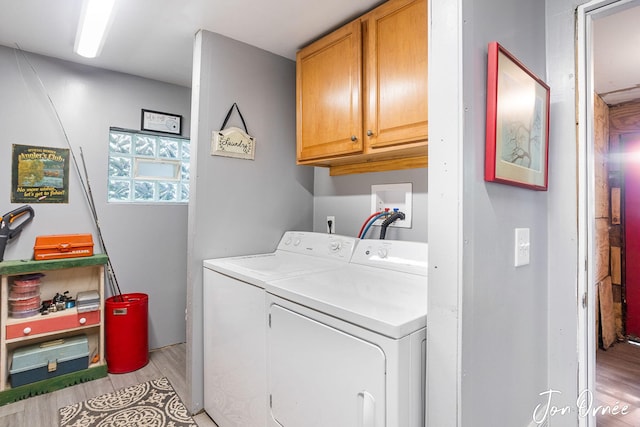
{"x": 154, "y": 38}
{"x": 616, "y": 43}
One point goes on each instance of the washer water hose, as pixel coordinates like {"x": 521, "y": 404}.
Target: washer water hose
{"x": 394, "y": 216}
{"x": 372, "y": 221}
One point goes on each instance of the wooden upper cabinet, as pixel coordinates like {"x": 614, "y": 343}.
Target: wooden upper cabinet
{"x": 329, "y": 81}
{"x": 362, "y": 92}
{"x": 396, "y": 73}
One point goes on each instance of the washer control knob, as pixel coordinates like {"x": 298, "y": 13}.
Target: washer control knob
{"x": 297, "y": 241}
{"x": 288, "y": 241}
{"x": 383, "y": 252}
{"x": 335, "y": 246}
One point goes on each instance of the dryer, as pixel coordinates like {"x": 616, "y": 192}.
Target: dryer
{"x": 347, "y": 347}
{"x": 235, "y": 384}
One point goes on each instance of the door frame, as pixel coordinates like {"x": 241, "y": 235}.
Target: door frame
{"x": 587, "y": 342}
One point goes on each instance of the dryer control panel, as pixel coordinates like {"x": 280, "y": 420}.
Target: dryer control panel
{"x": 325, "y": 245}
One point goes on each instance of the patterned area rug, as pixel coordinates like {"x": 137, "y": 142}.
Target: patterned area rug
{"x": 153, "y": 404}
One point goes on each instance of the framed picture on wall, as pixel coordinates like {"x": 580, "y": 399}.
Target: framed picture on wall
{"x": 517, "y": 131}
{"x": 161, "y": 122}
{"x": 39, "y": 174}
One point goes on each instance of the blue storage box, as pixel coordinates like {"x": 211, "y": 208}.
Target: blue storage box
{"x": 49, "y": 359}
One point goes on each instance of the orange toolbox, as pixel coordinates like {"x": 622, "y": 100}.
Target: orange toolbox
{"x": 63, "y": 246}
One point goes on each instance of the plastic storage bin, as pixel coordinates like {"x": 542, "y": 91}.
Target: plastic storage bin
{"x": 49, "y": 359}
{"x": 126, "y": 332}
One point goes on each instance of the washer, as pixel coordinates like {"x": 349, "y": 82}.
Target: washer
{"x": 347, "y": 347}
{"x": 235, "y": 320}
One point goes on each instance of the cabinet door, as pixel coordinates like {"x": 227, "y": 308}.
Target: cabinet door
{"x": 329, "y": 113}
{"x": 396, "y": 70}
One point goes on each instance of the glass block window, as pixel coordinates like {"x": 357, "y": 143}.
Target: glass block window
{"x": 147, "y": 168}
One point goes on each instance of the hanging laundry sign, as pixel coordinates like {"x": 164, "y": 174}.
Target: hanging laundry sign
{"x": 233, "y": 142}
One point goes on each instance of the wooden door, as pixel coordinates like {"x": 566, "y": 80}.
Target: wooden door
{"x": 396, "y": 73}
{"x": 631, "y": 164}
{"x": 328, "y": 86}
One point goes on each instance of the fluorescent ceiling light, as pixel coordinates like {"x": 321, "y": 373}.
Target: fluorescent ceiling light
{"x": 92, "y": 28}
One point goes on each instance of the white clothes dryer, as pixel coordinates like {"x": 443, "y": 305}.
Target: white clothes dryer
{"x": 235, "y": 319}
{"x": 347, "y": 347}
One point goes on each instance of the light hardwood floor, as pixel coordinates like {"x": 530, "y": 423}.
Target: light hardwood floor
{"x": 42, "y": 411}
{"x": 618, "y": 382}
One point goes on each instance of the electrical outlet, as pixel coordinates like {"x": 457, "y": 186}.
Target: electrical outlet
{"x": 331, "y": 229}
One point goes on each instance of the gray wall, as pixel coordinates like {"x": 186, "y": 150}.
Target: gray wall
{"x": 487, "y": 326}
{"x": 504, "y": 341}
{"x": 519, "y": 330}
{"x": 240, "y": 206}
{"x": 348, "y": 199}
{"x": 147, "y": 244}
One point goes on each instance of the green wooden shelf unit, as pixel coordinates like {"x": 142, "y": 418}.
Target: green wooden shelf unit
{"x": 23, "y": 266}
{"x": 76, "y": 274}
{"x": 52, "y": 384}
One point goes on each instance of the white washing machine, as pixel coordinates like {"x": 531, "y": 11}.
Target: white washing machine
{"x": 347, "y": 347}
{"x": 235, "y": 321}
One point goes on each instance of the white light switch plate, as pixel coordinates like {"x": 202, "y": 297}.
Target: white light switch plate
{"x": 522, "y": 247}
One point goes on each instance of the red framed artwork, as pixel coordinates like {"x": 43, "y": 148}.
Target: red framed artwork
{"x": 517, "y": 134}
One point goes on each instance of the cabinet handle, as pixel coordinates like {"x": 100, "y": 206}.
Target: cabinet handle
{"x": 354, "y": 138}
{"x": 369, "y": 132}
{"x": 83, "y": 320}
{"x": 26, "y": 330}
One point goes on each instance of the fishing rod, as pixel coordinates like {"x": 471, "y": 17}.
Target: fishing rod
{"x": 86, "y": 188}
{"x": 113, "y": 281}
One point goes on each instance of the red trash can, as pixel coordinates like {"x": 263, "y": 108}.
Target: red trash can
{"x": 126, "y": 332}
